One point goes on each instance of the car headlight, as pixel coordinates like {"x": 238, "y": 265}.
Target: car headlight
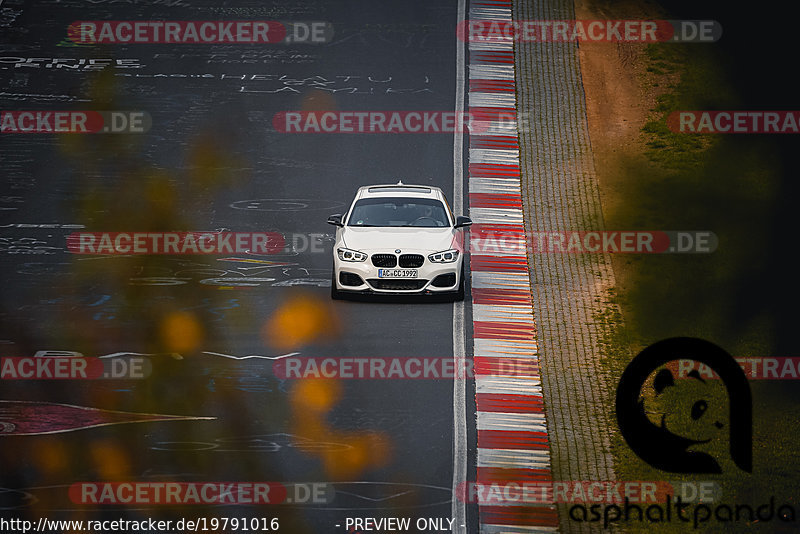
{"x": 346, "y": 254}
{"x": 445, "y": 256}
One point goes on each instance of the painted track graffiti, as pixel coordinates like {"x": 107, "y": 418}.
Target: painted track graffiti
{"x": 34, "y": 418}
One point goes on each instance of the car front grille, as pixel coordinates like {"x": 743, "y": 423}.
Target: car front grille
{"x": 384, "y": 260}
{"x": 411, "y": 260}
{"x": 397, "y": 284}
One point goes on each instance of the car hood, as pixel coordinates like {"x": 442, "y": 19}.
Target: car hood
{"x": 366, "y": 239}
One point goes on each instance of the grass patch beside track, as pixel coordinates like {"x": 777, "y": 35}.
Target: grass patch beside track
{"x": 728, "y": 184}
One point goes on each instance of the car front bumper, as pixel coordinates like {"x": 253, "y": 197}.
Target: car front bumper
{"x": 432, "y": 278}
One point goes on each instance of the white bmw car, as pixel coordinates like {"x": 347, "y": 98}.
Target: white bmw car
{"x": 399, "y": 239}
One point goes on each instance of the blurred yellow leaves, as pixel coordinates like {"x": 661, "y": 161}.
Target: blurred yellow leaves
{"x": 311, "y": 400}
{"x": 209, "y": 162}
{"x": 109, "y": 460}
{"x": 315, "y": 396}
{"x": 301, "y": 320}
{"x": 316, "y": 100}
{"x": 181, "y": 332}
{"x": 50, "y": 457}
{"x": 367, "y": 450}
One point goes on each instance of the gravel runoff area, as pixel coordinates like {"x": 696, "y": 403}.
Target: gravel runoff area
{"x": 560, "y": 192}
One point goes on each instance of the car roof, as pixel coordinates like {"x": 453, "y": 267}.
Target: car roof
{"x": 399, "y": 189}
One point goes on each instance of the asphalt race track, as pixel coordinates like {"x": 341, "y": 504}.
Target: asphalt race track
{"x": 210, "y": 327}
{"x": 172, "y": 357}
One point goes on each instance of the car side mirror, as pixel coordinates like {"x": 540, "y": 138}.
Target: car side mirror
{"x": 335, "y": 220}
{"x": 463, "y": 222}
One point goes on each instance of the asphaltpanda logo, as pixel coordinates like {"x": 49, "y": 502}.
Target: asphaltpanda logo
{"x": 666, "y": 445}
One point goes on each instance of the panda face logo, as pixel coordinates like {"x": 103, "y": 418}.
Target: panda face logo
{"x": 672, "y": 424}
{"x": 692, "y": 408}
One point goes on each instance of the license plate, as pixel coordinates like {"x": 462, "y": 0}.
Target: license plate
{"x": 397, "y": 273}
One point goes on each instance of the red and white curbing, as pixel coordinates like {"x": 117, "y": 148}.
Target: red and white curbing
{"x": 512, "y": 429}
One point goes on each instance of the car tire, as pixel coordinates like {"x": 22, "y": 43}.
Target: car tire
{"x": 459, "y": 294}
{"x": 335, "y": 293}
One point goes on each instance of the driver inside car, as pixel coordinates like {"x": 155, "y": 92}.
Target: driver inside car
{"x": 426, "y": 213}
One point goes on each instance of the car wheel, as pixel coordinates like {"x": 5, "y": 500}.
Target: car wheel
{"x": 335, "y": 293}
{"x": 459, "y": 295}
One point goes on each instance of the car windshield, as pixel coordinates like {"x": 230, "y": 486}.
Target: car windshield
{"x": 396, "y": 211}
